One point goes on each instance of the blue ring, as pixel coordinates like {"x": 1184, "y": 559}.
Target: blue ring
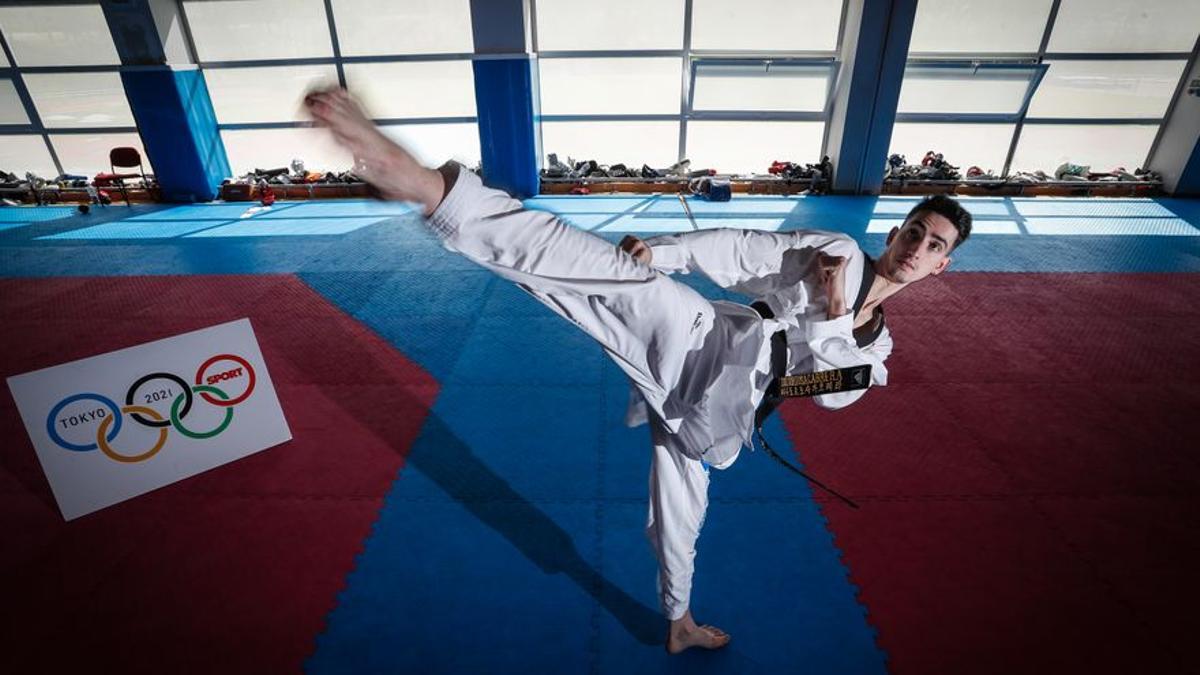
{"x": 80, "y": 397}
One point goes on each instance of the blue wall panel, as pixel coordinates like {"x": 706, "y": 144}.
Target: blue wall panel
{"x": 504, "y": 95}
{"x": 179, "y": 131}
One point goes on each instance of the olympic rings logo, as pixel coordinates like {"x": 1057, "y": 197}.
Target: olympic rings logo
{"x": 111, "y": 417}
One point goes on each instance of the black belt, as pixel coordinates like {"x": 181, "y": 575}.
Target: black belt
{"x": 779, "y": 357}
{"x": 772, "y": 398}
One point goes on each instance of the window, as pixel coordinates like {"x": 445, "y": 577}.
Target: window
{"x": 11, "y": 109}
{"x": 80, "y": 99}
{"x": 632, "y": 143}
{"x": 610, "y": 86}
{"x": 766, "y": 25}
{"x": 58, "y": 35}
{"x": 414, "y": 89}
{"x": 963, "y": 145}
{"x": 406, "y": 60}
{"x": 567, "y": 25}
{"x": 760, "y": 86}
{"x": 65, "y": 60}
{"x": 1103, "y": 147}
{"x": 947, "y": 88}
{"x": 613, "y": 78}
{"x": 87, "y": 154}
{"x": 238, "y": 30}
{"x": 750, "y": 147}
{"x": 978, "y": 26}
{"x": 1107, "y": 89}
{"x": 1103, "y": 62}
{"x": 371, "y": 27}
{"x": 26, "y": 152}
{"x": 268, "y": 94}
{"x": 1125, "y": 27}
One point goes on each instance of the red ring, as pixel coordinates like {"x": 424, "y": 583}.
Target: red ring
{"x": 226, "y": 357}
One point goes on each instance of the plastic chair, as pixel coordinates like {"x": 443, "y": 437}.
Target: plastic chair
{"x": 125, "y": 158}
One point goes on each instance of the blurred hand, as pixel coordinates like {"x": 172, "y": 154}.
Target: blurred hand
{"x": 637, "y": 248}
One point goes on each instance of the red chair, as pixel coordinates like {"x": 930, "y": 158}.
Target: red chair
{"x": 125, "y": 158}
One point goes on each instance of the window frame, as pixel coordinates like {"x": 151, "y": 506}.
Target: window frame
{"x": 1039, "y": 59}
{"x": 690, "y": 58}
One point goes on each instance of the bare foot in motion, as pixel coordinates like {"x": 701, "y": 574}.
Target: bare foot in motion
{"x": 685, "y": 634}
{"x": 377, "y": 159}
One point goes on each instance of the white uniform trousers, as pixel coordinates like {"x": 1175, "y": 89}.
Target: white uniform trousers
{"x": 647, "y": 322}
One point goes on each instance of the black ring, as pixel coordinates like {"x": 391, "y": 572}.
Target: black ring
{"x": 187, "y": 404}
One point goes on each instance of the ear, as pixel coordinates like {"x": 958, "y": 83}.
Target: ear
{"x": 941, "y": 266}
{"x": 892, "y": 235}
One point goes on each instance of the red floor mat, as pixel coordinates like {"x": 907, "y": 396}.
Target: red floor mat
{"x": 1029, "y": 484}
{"x": 234, "y": 569}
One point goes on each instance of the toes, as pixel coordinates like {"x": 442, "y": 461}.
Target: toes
{"x": 719, "y": 637}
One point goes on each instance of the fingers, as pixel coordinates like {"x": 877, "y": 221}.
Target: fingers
{"x": 332, "y": 105}
{"x": 636, "y": 248}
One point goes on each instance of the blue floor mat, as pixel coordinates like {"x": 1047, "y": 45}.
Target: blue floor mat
{"x": 524, "y": 498}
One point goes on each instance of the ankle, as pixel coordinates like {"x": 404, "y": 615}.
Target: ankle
{"x": 684, "y": 624}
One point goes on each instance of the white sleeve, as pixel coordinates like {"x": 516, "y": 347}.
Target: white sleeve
{"x": 833, "y": 346}
{"x": 730, "y": 257}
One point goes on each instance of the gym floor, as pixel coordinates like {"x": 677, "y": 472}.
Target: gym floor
{"x": 460, "y": 494}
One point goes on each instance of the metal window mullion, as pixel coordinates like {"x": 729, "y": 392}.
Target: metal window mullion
{"x": 1179, "y": 89}
{"x": 1116, "y": 56}
{"x": 613, "y": 117}
{"x": 333, "y": 39}
{"x": 533, "y": 34}
{"x": 380, "y": 121}
{"x": 35, "y": 120}
{"x": 1095, "y": 121}
{"x": 687, "y": 76}
{"x": 330, "y": 60}
{"x": 188, "y": 40}
{"x": 1051, "y": 18}
{"x": 611, "y": 53}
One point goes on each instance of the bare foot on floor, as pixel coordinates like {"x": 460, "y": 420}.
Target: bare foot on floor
{"x": 685, "y": 634}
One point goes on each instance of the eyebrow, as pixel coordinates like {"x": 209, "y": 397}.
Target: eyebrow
{"x": 921, "y": 222}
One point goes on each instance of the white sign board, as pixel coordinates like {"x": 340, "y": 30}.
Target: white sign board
{"x": 121, "y": 424}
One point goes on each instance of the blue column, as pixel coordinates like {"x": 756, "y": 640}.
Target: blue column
{"x": 179, "y": 131}
{"x": 874, "y": 51}
{"x": 170, "y": 104}
{"x": 506, "y": 96}
{"x": 505, "y": 92}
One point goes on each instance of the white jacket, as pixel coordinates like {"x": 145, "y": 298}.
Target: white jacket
{"x": 775, "y": 268}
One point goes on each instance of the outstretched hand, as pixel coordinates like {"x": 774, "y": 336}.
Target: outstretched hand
{"x": 377, "y": 159}
{"x": 637, "y": 248}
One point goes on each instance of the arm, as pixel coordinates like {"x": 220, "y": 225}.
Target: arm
{"x": 731, "y": 257}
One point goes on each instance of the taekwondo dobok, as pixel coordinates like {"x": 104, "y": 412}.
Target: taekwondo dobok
{"x": 699, "y": 369}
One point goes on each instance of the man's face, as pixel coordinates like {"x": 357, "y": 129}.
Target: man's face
{"x": 919, "y": 248}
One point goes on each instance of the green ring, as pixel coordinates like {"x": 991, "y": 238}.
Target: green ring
{"x": 175, "y": 421}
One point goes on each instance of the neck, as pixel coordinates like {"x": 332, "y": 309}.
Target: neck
{"x": 882, "y": 287}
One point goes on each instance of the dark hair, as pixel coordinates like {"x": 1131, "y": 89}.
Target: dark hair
{"x": 951, "y": 210}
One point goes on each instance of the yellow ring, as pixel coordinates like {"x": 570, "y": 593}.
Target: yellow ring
{"x": 102, "y": 431}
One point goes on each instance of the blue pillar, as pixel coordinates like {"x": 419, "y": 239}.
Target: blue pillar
{"x": 170, "y": 103}
{"x": 874, "y": 51}
{"x": 179, "y": 131}
{"x": 506, "y": 96}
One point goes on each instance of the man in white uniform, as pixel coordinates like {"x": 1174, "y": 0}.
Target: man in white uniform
{"x": 699, "y": 369}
